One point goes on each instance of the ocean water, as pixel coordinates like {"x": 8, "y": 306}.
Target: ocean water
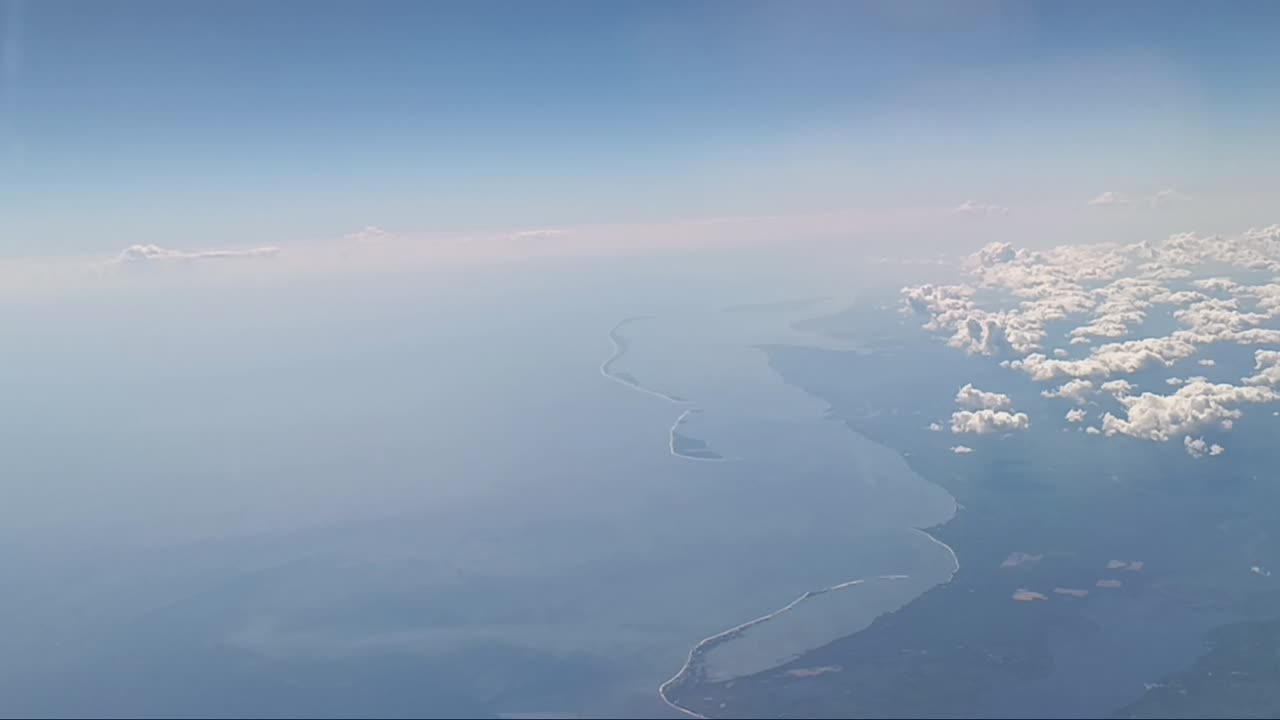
{"x": 418, "y": 499}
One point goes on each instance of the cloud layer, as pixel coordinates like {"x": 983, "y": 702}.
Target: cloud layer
{"x": 154, "y": 253}
{"x": 1105, "y": 294}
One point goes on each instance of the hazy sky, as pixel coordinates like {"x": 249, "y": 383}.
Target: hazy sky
{"x": 205, "y": 124}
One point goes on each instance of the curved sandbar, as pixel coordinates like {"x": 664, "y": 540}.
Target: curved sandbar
{"x": 698, "y": 449}
{"x": 693, "y": 669}
{"x": 620, "y": 349}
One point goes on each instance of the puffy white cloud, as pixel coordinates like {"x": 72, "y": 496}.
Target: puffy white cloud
{"x": 1110, "y": 198}
{"x": 1267, "y": 363}
{"x": 1117, "y": 387}
{"x": 1048, "y": 284}
{"x": 972, "y": 397}
{"x": 1268, "y": 297}
{"x": 1252, "y": 250}
{"x": 1217, "y": 284}
{"x": 1180, "y": 297}
{"x": 986, "y": 421}
{"x": 951, "y": 308}
{"x": 1197, "y": 447}
{"x": 961, "y": 449}
{"x": 1159, "y": 269}
{"x": 935, "y": 300}
{"x": 1052, "y": 288}
{"x": 1216, "y": 320}
{"x": 935, "y": 427}
{"x": 994, "y": 253}
{"x": 137, "y": 254}
{"x": 1160, "y": 417}
{"x": 1174, "y": 381}
{"x": 984, "y": 335}
{"x": 1077, "y": 391}
{"x": 1121, "y": 306}
{"x": 1125, "y": 357}
{"x": 1075, "y": 415}
{"x": 1108, "y": 291}
{"x": 1091, "y": 430}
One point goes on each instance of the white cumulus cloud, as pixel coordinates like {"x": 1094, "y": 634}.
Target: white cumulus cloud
{"x": 969, "y": 396}
{"x": 961, "y": 449}
{"x": 1267, "y": 363}
{"x": 1195, "y": 404}
{"x": 1117, "y": 387}
{"x": 1077, "y": 391}
{"x": 1125, "y": 357}
{"x": 1014, "y": 298}
{"x": 1076, "y": 415}
{"x": 1197, "y": 447}
{"x": 986, "y": 421}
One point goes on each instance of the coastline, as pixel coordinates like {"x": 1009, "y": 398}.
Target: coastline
{"x": 691, "y": 667}
{"x": 620, "y": 349}
{"x": 706, "y": 644}
{"x": 672, "y": 440}
{"x": 955, "y": 559}
{"x": 606, "y": 370}
{"x": 1005, "y": 658}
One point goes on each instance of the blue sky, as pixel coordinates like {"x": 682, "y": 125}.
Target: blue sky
{"x": 199, "y": 124}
